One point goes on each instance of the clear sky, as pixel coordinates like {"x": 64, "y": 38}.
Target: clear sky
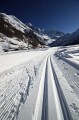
{"x": 60, "y": 15}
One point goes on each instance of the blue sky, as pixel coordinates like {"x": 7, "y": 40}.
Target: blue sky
{"x": 60, "y": 15}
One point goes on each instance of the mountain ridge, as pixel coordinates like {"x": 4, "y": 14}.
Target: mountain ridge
{"x": 12, "y": 29}
{"x": 15, "y": 35}
{"x": 67, "y": 39}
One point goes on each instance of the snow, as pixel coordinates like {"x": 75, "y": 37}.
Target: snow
{"x": 70, "y": 53}
{"x": 57, "y": 36}
{"x": 7, "y": 43}
{"x": 20, "y": 76}
{"x": 10, "y": 60}
{"x": 29, "y": 110}
{"x": 55, "y": 94}
{"x": 45, "y": 38}
{"x": 15, "y": 22}
{"x": 69, "y": 94}
{"x": 38, "y": 106}
{"x": 17, "y": 73}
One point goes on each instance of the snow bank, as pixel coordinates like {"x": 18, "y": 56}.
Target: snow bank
{"x": 8, "y": 44}
{"x": 70, "y": 54}
{"x": 70, "y": 97}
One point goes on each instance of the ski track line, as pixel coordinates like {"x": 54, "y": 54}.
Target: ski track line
{"x": 42, "y": 104}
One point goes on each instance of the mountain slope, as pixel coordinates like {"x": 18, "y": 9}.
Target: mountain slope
{"x": 48, "y": 36}
{"x": 68, "y": 39}
{"x": 54, "y": 34}
{"x": 15, "y": 35}
{"x": 12, "y": 28}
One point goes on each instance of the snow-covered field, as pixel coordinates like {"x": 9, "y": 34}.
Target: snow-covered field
{"x": 23, "y": 84}
{"x": 17, "y": 72}
{"x": 10, "y": 60}
{"x": 70, "y": 52}
{"x": 67, "y": 60}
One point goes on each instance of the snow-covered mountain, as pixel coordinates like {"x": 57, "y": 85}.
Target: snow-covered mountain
{"x": 54, "y": 34}
{"x": 67, "y": 39}
{"x": 13, "y": 33}
{"x": 48, "y": 36}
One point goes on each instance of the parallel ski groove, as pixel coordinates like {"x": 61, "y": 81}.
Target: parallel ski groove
{"x": 64, "y": 106}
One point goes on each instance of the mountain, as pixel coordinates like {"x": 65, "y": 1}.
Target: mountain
{"x": 56, "y": 38}
{"x": 48, "y": 36}
{"x": 16, "y": 35}
{"x": 67, "y": 39}
{"x": 54, "y": 34}
{"x": 34, "y": 28}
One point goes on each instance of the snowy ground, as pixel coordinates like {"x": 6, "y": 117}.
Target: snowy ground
{"x": 70, "y": 52}
{"x": 27, "y": 77}
{"x": 17, "y": 72}
{"x": 11, "y": 44}
{"x": 67, "y": 59}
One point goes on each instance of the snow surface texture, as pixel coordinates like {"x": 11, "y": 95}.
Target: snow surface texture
{"x": 69, "y": 94}
{"x": 18, "y": 72}
{"x": 8, "y": 61}
{"x": 9, "y": 44}
{"x": 70, "y": 52}
{"x": 14, "y": 86}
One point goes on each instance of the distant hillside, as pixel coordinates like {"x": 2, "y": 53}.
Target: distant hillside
{"x": 68, "y": 39}
{"x": 48, "y": 36}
